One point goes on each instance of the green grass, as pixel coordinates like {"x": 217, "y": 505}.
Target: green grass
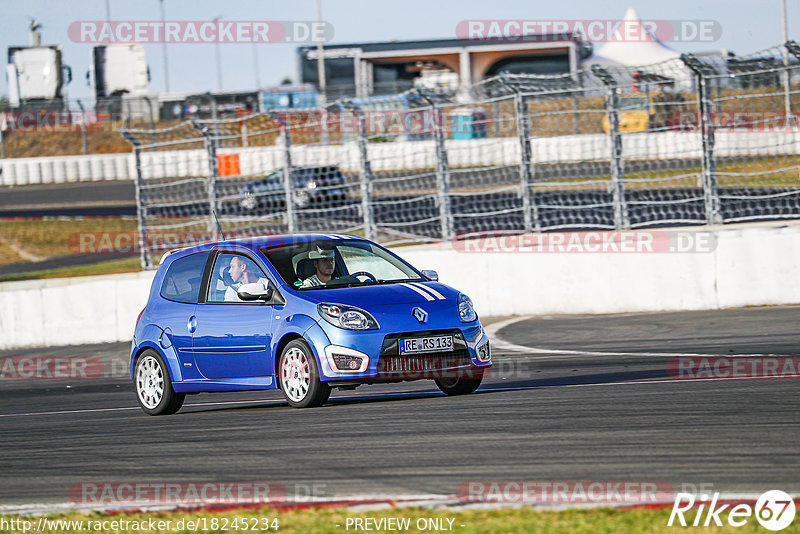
{"x": 518, "y": 520}
{"x": 34, "y": 240}
{"x": 47, "y": 238}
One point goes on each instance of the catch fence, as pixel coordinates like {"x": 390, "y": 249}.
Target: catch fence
{"x": 689, "y": 141}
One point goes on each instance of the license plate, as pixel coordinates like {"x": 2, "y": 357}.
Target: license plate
{"x": 426, "y": 344}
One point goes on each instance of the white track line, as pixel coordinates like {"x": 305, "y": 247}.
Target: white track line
{"x": 403, "y": 393}
{"x": 499, "y": 343}
{"x": 272, "y": 402}
{"x": 635, "y": 382}
{"x": 91, "y": 410}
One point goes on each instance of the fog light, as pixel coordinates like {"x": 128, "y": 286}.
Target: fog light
{"x": 345, "y": 362}
{"x": 484, "y": 352}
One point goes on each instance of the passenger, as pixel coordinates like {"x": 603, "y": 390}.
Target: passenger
{"x": 241, "y": 275}
{"x": 325, "y": 263}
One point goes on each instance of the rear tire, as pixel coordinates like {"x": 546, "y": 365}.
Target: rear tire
{"x": 154, "y": 385}
{"x": 299, "y": 376}
{"x": 459, "y": 386}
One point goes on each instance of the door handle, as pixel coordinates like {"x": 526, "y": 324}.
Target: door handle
{"x": 192, "y": 325}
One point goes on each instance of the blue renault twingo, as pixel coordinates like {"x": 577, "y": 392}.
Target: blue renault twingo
{"x": 302, "y": 313}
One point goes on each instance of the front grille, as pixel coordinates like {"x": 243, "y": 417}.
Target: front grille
{"x": 419, "y": 364}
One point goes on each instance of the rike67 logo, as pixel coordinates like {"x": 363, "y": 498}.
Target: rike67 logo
{"x": 774, "y": 510}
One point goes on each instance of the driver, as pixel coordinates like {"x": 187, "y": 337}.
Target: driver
{"x": 324, "y": 263}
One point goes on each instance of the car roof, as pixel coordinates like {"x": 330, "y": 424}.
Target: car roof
{"x": 256, "y": 242}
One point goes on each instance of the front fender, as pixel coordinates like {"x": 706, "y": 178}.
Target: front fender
{"x": 303, "y": 326}
{"x": 150, "y": 336}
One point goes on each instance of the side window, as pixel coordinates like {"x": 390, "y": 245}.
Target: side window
{"x": 182, "y": 281}
{"x": 231, "y": 271}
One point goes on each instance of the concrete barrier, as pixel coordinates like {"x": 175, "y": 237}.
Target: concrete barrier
{"x": 755, "y": 264}
{"x": 71, "y": 311}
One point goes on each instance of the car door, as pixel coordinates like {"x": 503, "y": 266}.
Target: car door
{"x": 232, "y": 338}
{"x": 179, "y": 292}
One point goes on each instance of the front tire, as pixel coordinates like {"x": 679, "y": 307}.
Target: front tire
{"x": 459, "y": 386}
{"x": 299, "y": 376}
{"x": 154, "y": 385}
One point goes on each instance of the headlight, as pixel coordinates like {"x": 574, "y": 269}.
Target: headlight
{"x": 465, "y": 309}
{"x": 347, "y": 317}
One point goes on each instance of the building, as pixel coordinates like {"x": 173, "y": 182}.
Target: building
{"x": 365, "y": 69}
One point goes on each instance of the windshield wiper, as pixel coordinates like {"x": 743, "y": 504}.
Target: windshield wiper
{"x": 400, "y": 281}
{"x": 365, "y": 283}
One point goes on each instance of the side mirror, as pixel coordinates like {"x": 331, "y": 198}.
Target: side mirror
{"x": 254, "y": 291}
{"x": 432, "y": 275}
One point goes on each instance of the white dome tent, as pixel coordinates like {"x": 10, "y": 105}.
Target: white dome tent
{"x": 624, "y": 56}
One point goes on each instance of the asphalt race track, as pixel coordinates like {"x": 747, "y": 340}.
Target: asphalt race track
{"x": 602, "y": 408}
{"x": 106, "y": 198}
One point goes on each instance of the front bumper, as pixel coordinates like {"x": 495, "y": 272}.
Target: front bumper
{"x": 374, "y": 356}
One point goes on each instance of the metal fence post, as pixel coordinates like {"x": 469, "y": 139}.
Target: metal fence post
{"x": 442, "y": 169}
{"x": 530, "y": 212}
{"x": 210, "y": 140}
{"x": 365, "y": 177}
{"x": 83, "y": 127}
{"x": 141, "y": 208}
{"x": 291, "y": 216}
{"x": 621, "y": 219}
{"x": 710, "y": 191}
{"x": 793, "y": 49}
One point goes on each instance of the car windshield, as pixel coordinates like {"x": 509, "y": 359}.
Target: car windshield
{"x": 275, "y": 176}
{"x": 337, "y": 263}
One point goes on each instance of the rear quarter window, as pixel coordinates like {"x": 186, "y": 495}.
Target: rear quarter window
{"x": 183, "y": 278}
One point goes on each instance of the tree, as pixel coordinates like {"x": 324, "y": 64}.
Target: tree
{"x": 286, "y": 81}
{"x": 3, "y": 102}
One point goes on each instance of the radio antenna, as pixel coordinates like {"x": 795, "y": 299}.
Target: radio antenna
{"x": 219, "y": 226}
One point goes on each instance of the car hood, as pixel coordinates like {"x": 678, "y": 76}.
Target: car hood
{"x": 380, "y": 295}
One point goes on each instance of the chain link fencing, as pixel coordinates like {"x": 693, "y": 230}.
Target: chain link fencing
{"x": 688, "y": 141}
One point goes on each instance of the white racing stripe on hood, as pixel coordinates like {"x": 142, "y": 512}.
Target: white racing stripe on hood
{"x": 418, "y": 290}
{"x": 430, "y": 289}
